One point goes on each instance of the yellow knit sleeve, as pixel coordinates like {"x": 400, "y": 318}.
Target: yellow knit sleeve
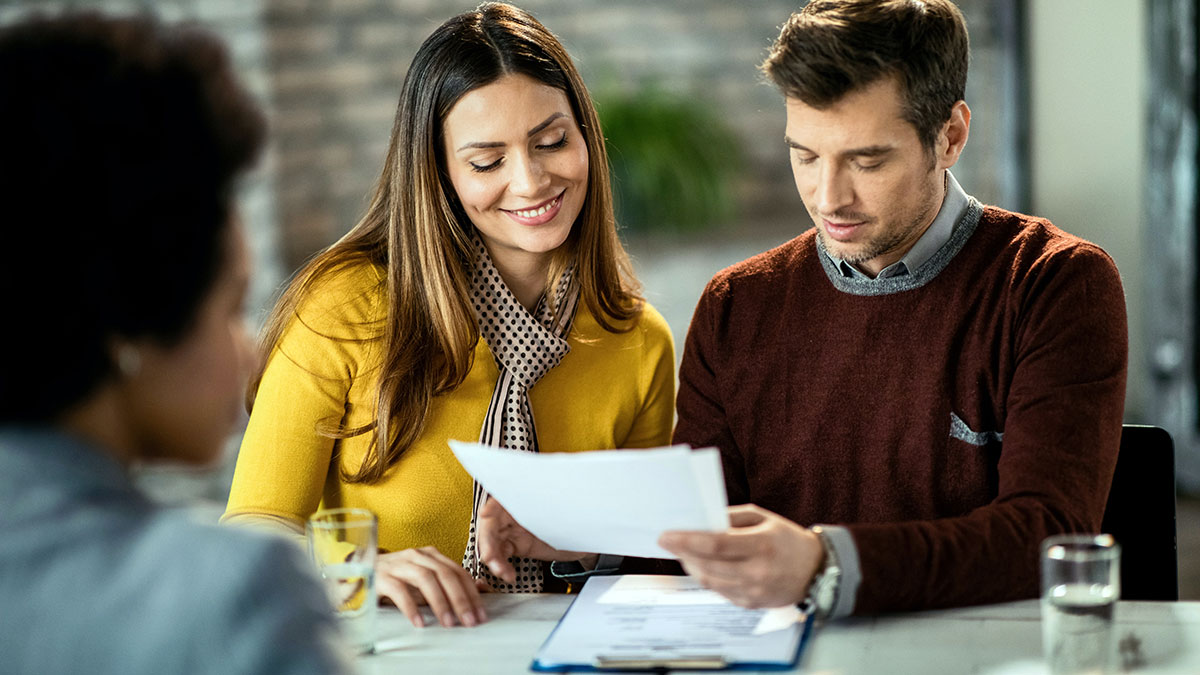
{"x": 655, "y": 421}
{"x": 324, "y": 354}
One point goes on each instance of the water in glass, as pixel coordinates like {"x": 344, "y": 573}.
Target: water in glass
{"x": 1077, "y": 628}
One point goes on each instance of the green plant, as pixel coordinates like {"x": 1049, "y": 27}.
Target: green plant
{"x": 674, "y": 161}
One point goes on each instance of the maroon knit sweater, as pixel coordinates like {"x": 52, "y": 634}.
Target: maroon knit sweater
{"x": 834, "y": 407}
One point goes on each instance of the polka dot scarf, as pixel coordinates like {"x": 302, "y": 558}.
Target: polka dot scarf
{"x": 526, "y": 346}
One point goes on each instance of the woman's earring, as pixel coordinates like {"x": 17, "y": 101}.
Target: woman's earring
{"x": 129, "y": 360}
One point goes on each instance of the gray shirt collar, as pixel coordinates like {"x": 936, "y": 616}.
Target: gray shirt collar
{"x": 954, "y": 205}
{"x": 32, "y": 456}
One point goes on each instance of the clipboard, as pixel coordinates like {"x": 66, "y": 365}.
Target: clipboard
{"x": 666, "y": 623}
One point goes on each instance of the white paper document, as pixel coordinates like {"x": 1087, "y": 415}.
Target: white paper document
{"x": 641, "y": 622}
{"x": 606, "y": 501}
{"x": 651, "y": 590}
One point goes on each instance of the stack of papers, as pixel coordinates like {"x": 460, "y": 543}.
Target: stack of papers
{"x": 609, "y": 501}
{"x": 619, "y": 502}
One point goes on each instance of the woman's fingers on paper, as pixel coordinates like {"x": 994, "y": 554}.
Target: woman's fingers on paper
{"x": 501, "y": 537}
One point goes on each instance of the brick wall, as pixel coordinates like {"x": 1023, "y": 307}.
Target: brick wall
{"x": 337, "y": 68}
{"x": 330, "y": 71}
{"x": 337, "y": 76}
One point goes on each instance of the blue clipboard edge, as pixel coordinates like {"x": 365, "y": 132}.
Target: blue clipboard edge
{"x": 538, "y": 667}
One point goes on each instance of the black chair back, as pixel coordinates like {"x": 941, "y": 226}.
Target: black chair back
{"x": 1141, "y": 514}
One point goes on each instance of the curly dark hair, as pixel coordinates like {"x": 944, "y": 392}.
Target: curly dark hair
{"x": 121, "y": 141}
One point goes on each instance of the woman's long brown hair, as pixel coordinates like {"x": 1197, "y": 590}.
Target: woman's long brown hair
{"x": 417, "y": 231}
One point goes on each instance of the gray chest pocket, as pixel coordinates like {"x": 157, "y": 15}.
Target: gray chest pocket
{"x": 964, "y": 433}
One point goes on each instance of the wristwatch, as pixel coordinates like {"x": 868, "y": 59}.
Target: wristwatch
{"x": 823, "y": 591}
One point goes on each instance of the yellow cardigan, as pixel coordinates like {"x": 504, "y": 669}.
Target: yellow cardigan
{"x": 613, "y": 390}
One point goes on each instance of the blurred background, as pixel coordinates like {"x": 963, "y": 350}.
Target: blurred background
{"x": 1084, "y": 112}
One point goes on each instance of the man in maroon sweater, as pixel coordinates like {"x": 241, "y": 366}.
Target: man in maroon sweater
{"x": 940, "y": 383}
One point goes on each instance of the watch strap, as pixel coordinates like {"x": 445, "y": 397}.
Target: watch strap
{"x": 826, "y": 584}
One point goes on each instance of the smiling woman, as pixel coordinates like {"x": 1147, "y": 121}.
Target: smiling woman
{"x": 524, "y": 186}
{"x": 484, "y": 289}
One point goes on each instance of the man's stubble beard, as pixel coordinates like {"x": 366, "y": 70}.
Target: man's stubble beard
{"x": 884, "y": 242}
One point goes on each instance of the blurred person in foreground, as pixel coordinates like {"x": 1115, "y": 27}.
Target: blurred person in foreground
{"x": 939, "y": 382}
{"x": 484, "y": 290}
{"x": 124, "y": 271}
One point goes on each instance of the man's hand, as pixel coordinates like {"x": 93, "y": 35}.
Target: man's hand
{"x": 763, "y": 560}
{"x": 500, "y": 537}
{"x": 416, "y": 576}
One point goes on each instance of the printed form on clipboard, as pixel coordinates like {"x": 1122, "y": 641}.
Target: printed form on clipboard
{"x": 642, "y": 622}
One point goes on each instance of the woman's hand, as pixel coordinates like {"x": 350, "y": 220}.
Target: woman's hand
{"x": 501, "y": 537}
{"x": 417, "y": 576}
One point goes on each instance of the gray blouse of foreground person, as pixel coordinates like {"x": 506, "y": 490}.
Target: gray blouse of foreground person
{"x": 94, "y": 578}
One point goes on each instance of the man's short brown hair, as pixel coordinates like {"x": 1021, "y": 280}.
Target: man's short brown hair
{"x": 833, "y": 47}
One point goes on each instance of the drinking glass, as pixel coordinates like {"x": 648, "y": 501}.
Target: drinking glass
{"x": 1081, "y": 582}
{"x": 343, "y": 544}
